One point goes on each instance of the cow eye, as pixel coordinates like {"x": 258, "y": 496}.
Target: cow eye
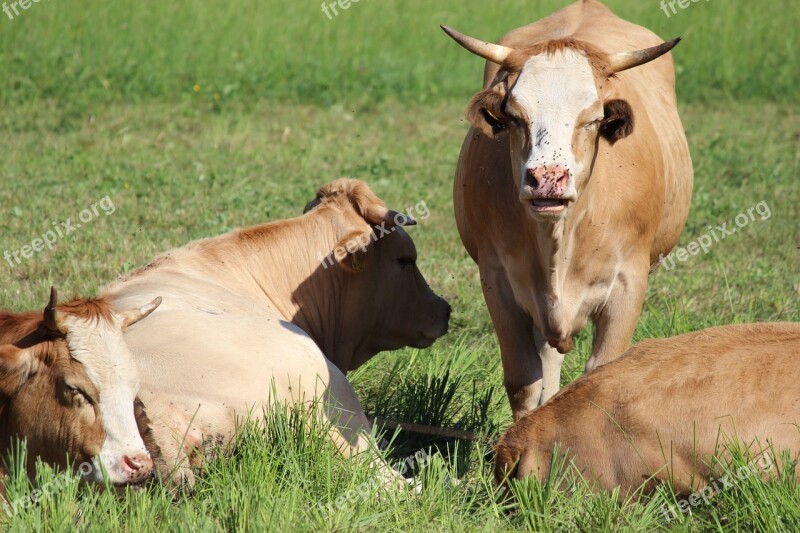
{"x": 78, "y": 393}
{"x": 514, "y": 119}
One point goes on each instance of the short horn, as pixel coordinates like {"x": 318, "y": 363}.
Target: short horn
{"x": 625, "y": 60}
{"x": 133, "y": 316}
{"x": 496, "y": 53}
{"x": 50, "y": 317}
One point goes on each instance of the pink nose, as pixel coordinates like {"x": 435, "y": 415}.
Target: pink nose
{"x": 548, "y": 181}
{"x": 137, "y": 466}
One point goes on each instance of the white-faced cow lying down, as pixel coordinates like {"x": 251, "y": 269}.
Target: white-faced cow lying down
{"x": 573, "y": 181}
{"x": 67, "y": 387}
{"x": 256, "y": 308}
{"x": 665, "y": 408}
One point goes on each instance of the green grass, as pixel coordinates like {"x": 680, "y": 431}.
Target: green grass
{"x": 87, "y": 52}
{"x": 98, "y": 100}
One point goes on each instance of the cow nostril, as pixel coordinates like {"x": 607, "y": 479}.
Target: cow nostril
{"x": 530, "y": 178}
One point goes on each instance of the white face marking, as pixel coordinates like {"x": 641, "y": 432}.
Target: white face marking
{"x": 101, "y": 349}
{"x": 554, "y": 91}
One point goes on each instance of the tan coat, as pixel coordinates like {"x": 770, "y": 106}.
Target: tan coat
{"x": 626, "y": 181}
{"x": 666, "y": 407}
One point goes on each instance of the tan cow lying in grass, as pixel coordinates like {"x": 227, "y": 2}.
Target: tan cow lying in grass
{"x": 667, "y": 407}
{"x": 67, "y": 387}
{"x": 257, "y": 310}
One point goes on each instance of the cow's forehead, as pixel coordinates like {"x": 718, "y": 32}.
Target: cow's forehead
{"x": 562, "y": 82}
{"x": 398, "y": 241}
{"x": 99, "y": 346}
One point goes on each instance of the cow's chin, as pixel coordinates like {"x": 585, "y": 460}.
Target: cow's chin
{"x": 423, "y": 342}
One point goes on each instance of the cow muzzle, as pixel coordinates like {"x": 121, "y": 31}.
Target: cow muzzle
{"x": 137, "y": 467}
{"x": 437, "y": 327}
{"x": 125, "y": 470}
{"x": 547, "y": 189}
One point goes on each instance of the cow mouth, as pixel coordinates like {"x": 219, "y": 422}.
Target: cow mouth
{"x": 548, "y": 205}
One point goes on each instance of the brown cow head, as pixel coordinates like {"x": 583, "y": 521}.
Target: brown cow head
{"x": 552, "y": 101}
{"x": 67, "y": 387}
{"x": 385, "y": 302}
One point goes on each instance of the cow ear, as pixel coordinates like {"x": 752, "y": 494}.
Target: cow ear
{"x": 485, "y": 111}
{"x": 618, "y": 121}
{"x": 351, "y": 251}
{"x": 16, "y": 365}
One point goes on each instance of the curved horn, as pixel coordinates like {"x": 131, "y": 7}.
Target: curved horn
{"x": 133, "y": 316}
{"x": 625, "y": 60}
{"x": 496, "y": 53}
{"x": 50, "y": 317}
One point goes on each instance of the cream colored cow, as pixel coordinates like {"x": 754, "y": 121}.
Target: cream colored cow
{"x": 289, "y": 307}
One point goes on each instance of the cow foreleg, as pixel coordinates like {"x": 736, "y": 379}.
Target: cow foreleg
{"x": 616, "y": 321}
{"x": 552, "y": 360}
{"x": 351, "y": 430}
{"x": 522, "y": 369}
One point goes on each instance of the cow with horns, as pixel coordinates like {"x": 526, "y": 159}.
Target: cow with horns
{"x": 572, "y": 183}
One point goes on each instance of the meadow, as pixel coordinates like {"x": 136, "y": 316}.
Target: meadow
{"x": 193, "y": 118}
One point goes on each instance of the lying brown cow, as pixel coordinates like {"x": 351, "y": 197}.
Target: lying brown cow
{"x": 67, "y": 387}
{"x": 287, "y": 306}
{"x": 573, "y": 182}
{"x": 665, "y": 408}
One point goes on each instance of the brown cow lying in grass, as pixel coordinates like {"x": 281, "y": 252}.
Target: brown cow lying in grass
{"x": 67, "y": 387}
{"x": 665, "y": 409}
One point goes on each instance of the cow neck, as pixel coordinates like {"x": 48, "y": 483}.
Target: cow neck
{"x": 285, "y": 261}
{"x": 552, "y": 239}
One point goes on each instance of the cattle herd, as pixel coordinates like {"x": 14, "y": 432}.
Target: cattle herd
{"x": 573, "y": 181}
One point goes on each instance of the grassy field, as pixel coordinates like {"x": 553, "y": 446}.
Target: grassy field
{"x": 191, "y": 118}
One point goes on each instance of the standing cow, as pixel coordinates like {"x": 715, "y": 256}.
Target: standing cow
{"x": 573, "y": 181}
